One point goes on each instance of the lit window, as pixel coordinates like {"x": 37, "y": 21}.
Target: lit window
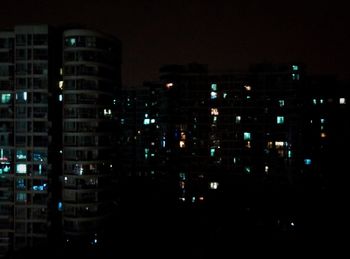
{"x": 307, "y": 161}
{"x": 215, "y": 118}
{"x": 153, "y": 121}
{"x": 247, "y": 169}
{"x": 5, "y": 98}
{"x": 214, "y": 111}
{"x": 182, "y": 176}
{"x": 248, "y": 87}
{"x": 60, "y": 207}
{"x": 213, "y": 95}
{"x": 248, "y": 144}
{"x": 212, "y": 152}
{"x": 342, "y": 100}
{"x": 60, "y": 84}
{"x": 224, "y": 95}
{"x": 323, "y": 135}
{"x": 21, "y": 96}
{"x": 182, "y": 144}
{"x": 248, "y": 97}
{"x": 21, "y": 196}
{"x": 21, "y": 168}
{"x": 61, "y": 71}
{"x": 213, "y": 185}
{"x": 280, "y": 119}
{"x": 321, "y": 101}
{"x": 238, "y": 119}
{"x": 266, "y": 169}
{"x": 146, "y": 152}
{"x": 21, "y": 154}
{"x": 314, "y": 101}
{"x": 322, "y": 121}
{"x": 246, "y": 136}
{"x": 214, "y": 87}
{"x": 146, "y": 121}
{"x": 279, "y": 143}
{"x": 169, "y": 85}
{"x": 281, "y": 103}
{"x": 60, "y": 98}
{"x": 295, "y": 67}
{"x": 295, "y": 76}
{"x": 107, "y": 112}
{"x": 289, "y": 153}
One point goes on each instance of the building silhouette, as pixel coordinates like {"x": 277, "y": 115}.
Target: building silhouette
{"x": 57, "y": 129}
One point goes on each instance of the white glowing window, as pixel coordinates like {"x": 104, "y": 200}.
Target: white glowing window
{"x": 280, "y": 119}
{"x": 238, "y": 119}
{"x": 246, "y": 136}
{"x": 21, "y": 168}
{"x": 323, "y": 135}
{"x": 342, "y": 100}
{"x": 248, "y": 87}
{"x": 224, "y": 95}
{"x": 213, "y": 95}
{"x": 60, "y": 97}
{"x": 281, "y": 103}
{"x": 146, "y": 121}
{"x": 213, "y": 185}
{"x": 266, "y": 169}
{"x": 60, "y": 84}
{"x": 214, "y": 87}
{"x": 247, "y": 169}
{"x": 279, "y": 144}
{"x": 212, "y": 152}
{"x": 214, "y": 111}
{"x": 322, "y": 121}
{"x": 107, "y": 112}
{"x": 169, "y": 85}
{"x": 153, "y": 121}
{"x": 182, "y": 144}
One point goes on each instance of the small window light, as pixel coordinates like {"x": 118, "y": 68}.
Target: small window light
{"x": 307, "y": 161}
{"x": 281, "y": 103}
{"x": 214, "y": 87}
{"x": 238, "y": 119}
{"x": 169, "y": 85}
{"x": 295, "y": 67}
{"x": 214, "y": 111}
{"x": 246, "y": 136}
{"x": 248, "y": 87}
{"x": 213, "y": 185}
{"x": 60, "y": 97}
{"x": 280, "y": 119}
{"x": 60, "y": 84}
{"x": 323, "y": 135}
{"x": 342, "y": 100}
{"x": 213, "y": 95}
{"x": 182, "y": 144}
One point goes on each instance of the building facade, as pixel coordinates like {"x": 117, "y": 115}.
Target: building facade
{"x": 45, "y": 126}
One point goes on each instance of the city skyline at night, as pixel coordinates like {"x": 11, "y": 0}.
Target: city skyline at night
{"x": 185, "y": 128}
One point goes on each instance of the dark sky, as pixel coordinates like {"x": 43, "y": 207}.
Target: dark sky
{"x": 224, "y": 34}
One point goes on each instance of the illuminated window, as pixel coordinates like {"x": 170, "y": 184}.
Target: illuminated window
{"x": 214, "y": 111}
{"x": 248, "y": 87}
{"x": 182, "y": 135}
{"x": 21, "y": 154}
{"x": 342, "y": 100}
{"x": 146, "y": 152}
{"x": 21, "y": 196}
{"x": 295, "y": 76}
{"x": 266, "y": 169}
{"x": 246, "y": 136}
{"x": 146, "y": 121}
{"x": 60, "y": 84}
{"x": 323, "y": 135}
{"x": 215, "y": 118}
{"x": 182, "y": 176}
{"x": 107, "y": 112}
{"x": 212, "y": 152}
{"x": 321, "y": 101}
{"x": 289, "y": 153}
{"x": 60, "y": 98}
{"x": 224, "y": 95}
{"x": 213, "y": 95}
{"x": 214, "y": 87}
{"x": 21, "y": 96}
{"x": 295, "y": 67}
{"x": 182, "y": 144}
{"x": 213, "y": 185}
{"x": 5, "y": 98}
{"x": 314, "y": 101}
{"x": 247, "y": 169}
{"x": 21, "y": 168}
{"x": 281, "y": 103}
{"x": 247, "y": 145}
{"x": 169, "y": 85}
{"x": 280, "y": 119}
{"x": 238, "y": 119}
{"x": 322, "y": 121}
{"x": 307, "y": 161}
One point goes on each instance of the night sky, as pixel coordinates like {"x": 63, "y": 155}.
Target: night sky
{"x": 224, "y": 34}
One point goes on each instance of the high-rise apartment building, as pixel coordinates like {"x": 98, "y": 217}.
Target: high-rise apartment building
{"x": 57, "y": 91}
